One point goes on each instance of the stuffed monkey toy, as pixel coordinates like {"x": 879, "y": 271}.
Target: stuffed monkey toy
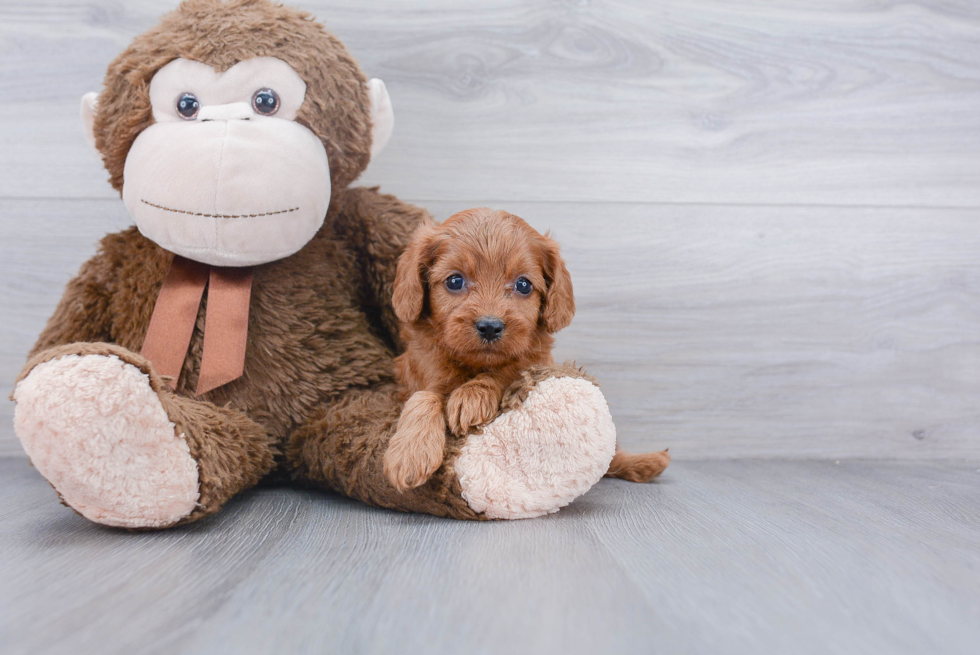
{"x": 243, "y": 328}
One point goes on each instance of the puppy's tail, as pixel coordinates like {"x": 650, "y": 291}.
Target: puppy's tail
{"x": 641, "y": 467}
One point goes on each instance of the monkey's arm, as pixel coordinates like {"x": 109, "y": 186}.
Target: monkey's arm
{"x": 378, "y": 226}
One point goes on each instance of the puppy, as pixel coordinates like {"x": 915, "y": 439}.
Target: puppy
{"x": 479, "y": 298}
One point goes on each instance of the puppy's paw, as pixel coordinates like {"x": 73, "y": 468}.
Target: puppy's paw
{"x": 415, "y": 451}
{"x": 472, "y": 404}
{"x": 409, "y": 462}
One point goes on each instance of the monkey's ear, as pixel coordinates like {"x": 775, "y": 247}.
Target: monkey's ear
{"x": 382, "y": 116}
{"x": 408, "y": 296}
{"x": 559, "y": 300}
{"x": 90, "y": 103}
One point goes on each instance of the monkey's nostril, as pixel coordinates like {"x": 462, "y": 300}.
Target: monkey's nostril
{"x": 489, "y": 328}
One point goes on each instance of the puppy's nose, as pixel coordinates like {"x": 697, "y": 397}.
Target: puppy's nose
{"x": 489, "y": 328}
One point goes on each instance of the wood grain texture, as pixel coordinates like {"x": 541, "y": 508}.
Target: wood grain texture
{"x": 716, "y": 331}
{"x": 719, "y": 557}
{"x": 820, "y": 102}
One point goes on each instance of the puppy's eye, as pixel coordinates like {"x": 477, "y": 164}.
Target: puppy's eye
{"x": 455, "y": 282}
{"x": 265, "y": 102}
{"x": 523, "y": 286}
{"x": 187, "y": 106}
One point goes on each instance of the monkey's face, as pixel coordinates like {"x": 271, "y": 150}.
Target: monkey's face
{"x": 225, "y": 175}
{"x": 217, "y": 125}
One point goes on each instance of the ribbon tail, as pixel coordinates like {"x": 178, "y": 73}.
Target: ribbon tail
{"x": 225, "y": 327}
{"x": 174, "y": 314}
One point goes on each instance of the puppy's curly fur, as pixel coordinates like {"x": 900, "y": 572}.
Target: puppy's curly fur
{"x": 479, "y": 298}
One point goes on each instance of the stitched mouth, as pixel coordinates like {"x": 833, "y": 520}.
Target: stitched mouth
{"x": 203, "y": 215}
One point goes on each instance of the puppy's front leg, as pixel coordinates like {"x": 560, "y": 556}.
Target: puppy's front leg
{"x": 416, "y": 449}
{"x": 474, "y": 403}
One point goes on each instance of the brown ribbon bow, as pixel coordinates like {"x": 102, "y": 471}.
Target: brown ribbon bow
{"x": 225, "y": 323}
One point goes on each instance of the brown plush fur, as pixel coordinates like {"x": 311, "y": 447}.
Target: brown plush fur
{"x": 221, "y": 34}
{"x": 448, "y": 373}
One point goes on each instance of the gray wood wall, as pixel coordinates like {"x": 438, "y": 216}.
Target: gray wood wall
{"x": 770, "y": 208}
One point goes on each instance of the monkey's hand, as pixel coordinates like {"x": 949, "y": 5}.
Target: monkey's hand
{"x": 475, "y": 403}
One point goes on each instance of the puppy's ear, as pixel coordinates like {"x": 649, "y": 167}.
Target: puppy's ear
{"x": 559, "y": 300}
{"x": 408, "y": 296}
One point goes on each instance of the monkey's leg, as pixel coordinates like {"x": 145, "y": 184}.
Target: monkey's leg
{"x": 121, "y": 449}
{"x": 554, "y": 441}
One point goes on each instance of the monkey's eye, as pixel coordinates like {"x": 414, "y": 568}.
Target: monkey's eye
{"x": 265, "y": 102}
{"x": 188, "y": 106}
{"x": 455, "y": 282}
{"x": 523, "y": 286}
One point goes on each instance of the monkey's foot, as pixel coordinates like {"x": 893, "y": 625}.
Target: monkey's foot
{"x": 94, "y": 427}
{"x": 541, "y": 455}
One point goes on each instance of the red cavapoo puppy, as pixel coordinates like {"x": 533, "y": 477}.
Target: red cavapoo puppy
{"x": 479, "y": 298}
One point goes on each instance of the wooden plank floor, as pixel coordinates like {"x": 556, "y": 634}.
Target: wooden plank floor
{"x": 719, "y": 557}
